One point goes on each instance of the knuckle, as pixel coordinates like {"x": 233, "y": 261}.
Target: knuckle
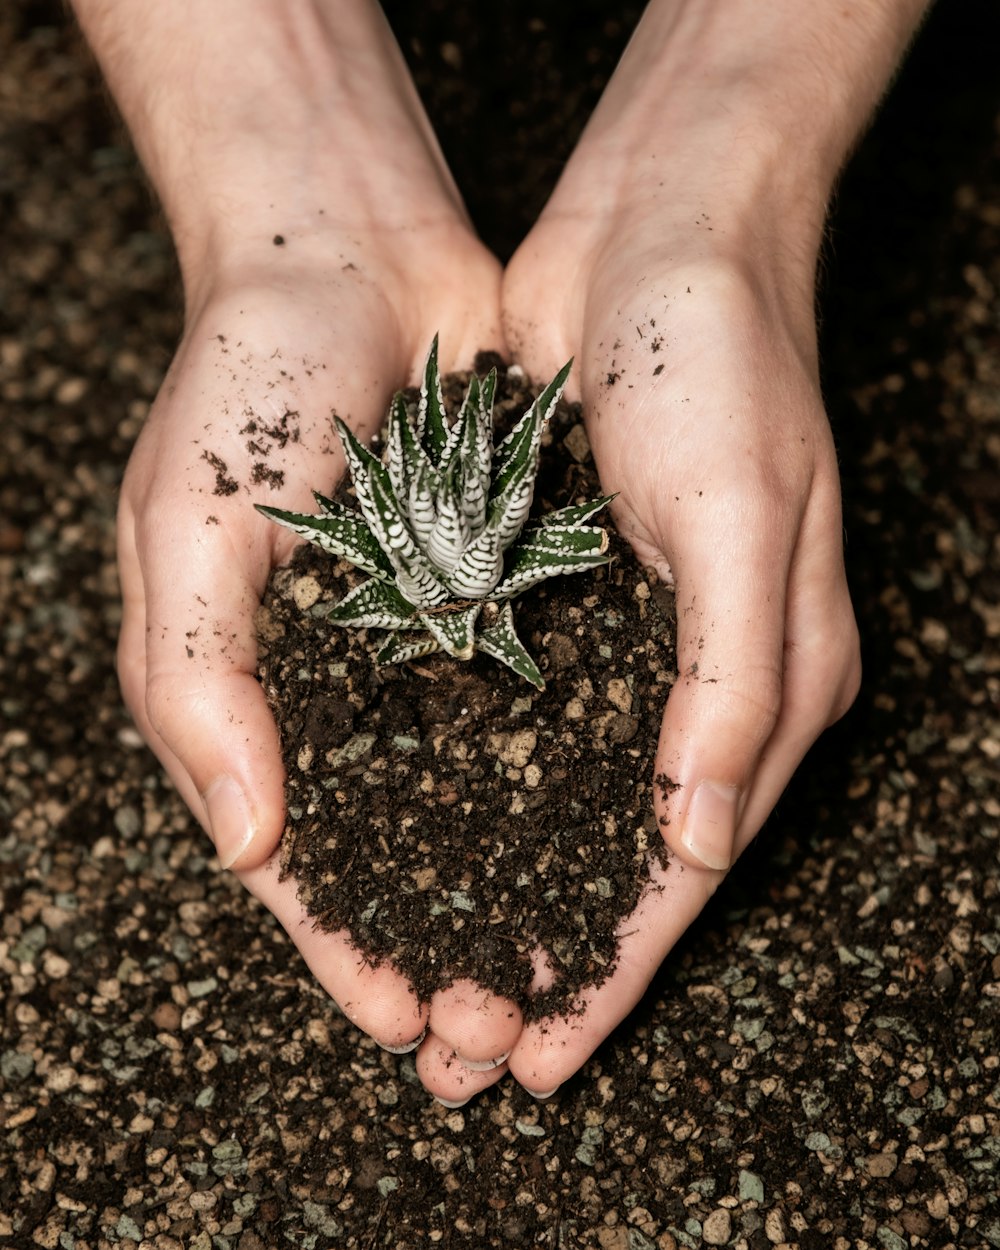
{"x": 165, "y": 706}
{"x": 832, "y": 661}
{"x": 751, "y": 700}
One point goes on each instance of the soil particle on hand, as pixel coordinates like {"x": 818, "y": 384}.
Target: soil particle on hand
{"x": 260, "y": 472}
{"x": 224, "y": 484}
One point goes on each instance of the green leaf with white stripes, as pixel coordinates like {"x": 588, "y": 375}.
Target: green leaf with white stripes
{"x": 415, "y": 574}
{"x": 487, "y": 389}
{"x": 432, "y": 429}
{"x": 454, "y": 632}
{"x": 480, "y": 567}
{"x": 450, "y": 533}
{"x": 364, "y": 469}
{"x": 338, "y": 531}
{"x": 456, "y": 435}
{"x": 547, "y": 553}
{"x": 500, "y": 641}
{"x": 405, "y": 457}
{"x": 374, "y": 605}
{"x": 537, "y": 414}
{"x": 396, "y": 650}
{"x": 575, "y": 514}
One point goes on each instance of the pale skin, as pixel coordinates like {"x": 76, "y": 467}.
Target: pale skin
{"x": 695, "y": 200}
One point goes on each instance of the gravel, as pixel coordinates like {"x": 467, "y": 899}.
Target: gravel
{"x": 818, "y": 1064}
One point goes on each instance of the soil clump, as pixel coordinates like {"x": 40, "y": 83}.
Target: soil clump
{"x": 452, "y": 817}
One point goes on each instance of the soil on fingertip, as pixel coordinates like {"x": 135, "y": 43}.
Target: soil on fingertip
{"x": 454, "y": 819}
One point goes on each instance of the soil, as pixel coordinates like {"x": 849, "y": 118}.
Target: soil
{"x": 451, "y": 817}
{"x": 818, "y": 1062}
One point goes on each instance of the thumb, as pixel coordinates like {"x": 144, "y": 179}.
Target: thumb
{"x": 186, "y": 658}
{"x": 724, "y": 705}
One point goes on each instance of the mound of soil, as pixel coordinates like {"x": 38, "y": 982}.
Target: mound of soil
{"x": 450, "y": 816}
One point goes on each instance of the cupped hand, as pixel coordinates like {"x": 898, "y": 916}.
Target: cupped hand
{"x": 244, "y": 417}
{"x": 697, "y": 370}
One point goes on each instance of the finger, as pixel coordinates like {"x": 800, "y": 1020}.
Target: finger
{"x": 822, "y": 659}
{"x": 479, "y": 1026}
{"x": 187, "y": 656}
{"x": 445, "y": 1076}
{"x": 375, "y": 997}
{"x": 550, "y": 1050}
{"x": 798, "y": 671}
{"x": 727, "y": 698}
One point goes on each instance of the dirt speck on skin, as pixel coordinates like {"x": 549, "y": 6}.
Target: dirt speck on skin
{"x": 224, "y": 483}
{"x": 452, "y": 818}
{"x": 260, "y": 472}
{"x": 263, "y": 436}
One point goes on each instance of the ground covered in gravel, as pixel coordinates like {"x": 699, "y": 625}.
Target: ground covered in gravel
{"x": 817, "y": 1065}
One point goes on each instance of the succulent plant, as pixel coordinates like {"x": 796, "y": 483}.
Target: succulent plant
{"x": 443, "y": 530}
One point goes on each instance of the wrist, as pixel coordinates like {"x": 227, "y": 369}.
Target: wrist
{"x": 741, "y": 111}
{"x": 256, "y": 119}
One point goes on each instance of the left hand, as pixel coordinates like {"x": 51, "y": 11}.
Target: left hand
{"x": 692, "y": 212}
{"x": 728, "y": 485}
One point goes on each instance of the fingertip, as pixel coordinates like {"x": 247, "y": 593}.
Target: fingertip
{"x": 235, "y": 827}
{"x": 704, "y": 835}
{"x": 481, "y": 1027}
{"x": 215, "y": 733}
{"x": 402, "y": 1048}
{"x": 443, "y": 1074}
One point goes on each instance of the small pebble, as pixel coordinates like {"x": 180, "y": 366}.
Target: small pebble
{"x": 305, "y": 592}
{"x": 717, "y": 1228}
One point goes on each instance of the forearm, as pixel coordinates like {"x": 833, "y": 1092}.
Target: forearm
{"x": 257, "y": 117}
{"x": 733, "y": 104}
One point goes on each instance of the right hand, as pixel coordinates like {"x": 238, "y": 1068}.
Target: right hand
{"x": 305, "y": 338}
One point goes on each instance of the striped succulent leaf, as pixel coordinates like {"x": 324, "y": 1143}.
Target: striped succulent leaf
{"x": 376, "y": 605}
{"x": 397, "y": 650}
{"x": 340, "y": 532}
{"x": 443, "y": 528}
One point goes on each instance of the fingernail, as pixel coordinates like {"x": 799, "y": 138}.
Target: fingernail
{"x": 483, "y": 1065}
{"x": 452, "y": 1106}
{"x": 710, "y": 824}
{"x": 405, "y": 1048}
{"x": 541, "y": 1095}
{"x": 230, "y": 818}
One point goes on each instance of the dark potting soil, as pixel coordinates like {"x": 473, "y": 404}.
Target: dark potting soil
{"x": 449, "y": 815}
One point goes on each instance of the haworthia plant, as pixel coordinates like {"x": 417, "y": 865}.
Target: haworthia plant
{"x": 443, "y": 530}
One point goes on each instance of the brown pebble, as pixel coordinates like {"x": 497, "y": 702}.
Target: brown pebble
{"x": 167, "y": 1017}
{"x": 717, "y": 1228}
{"x": 881, "y": 1165}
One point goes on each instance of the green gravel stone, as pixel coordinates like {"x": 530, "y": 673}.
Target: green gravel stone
{"x": 202, "y": 988}
{"x": 529, "y": 1130}
{"x": 15, "y": 1066}
{"x": 127, "y": 1227}
{"x": 751, "y": 1187}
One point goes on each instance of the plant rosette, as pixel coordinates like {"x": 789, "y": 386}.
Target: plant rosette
{"x": 443, "y": 532}
{"x": 460, "y": 816}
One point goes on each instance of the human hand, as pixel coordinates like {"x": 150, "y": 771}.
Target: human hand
{"x": 676, "y": 262}
{"x": 711, "y": 428}
{"x": 269, "y": 121}
{"x": 322, "y": 245}
{"x": 244, "y": 417}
